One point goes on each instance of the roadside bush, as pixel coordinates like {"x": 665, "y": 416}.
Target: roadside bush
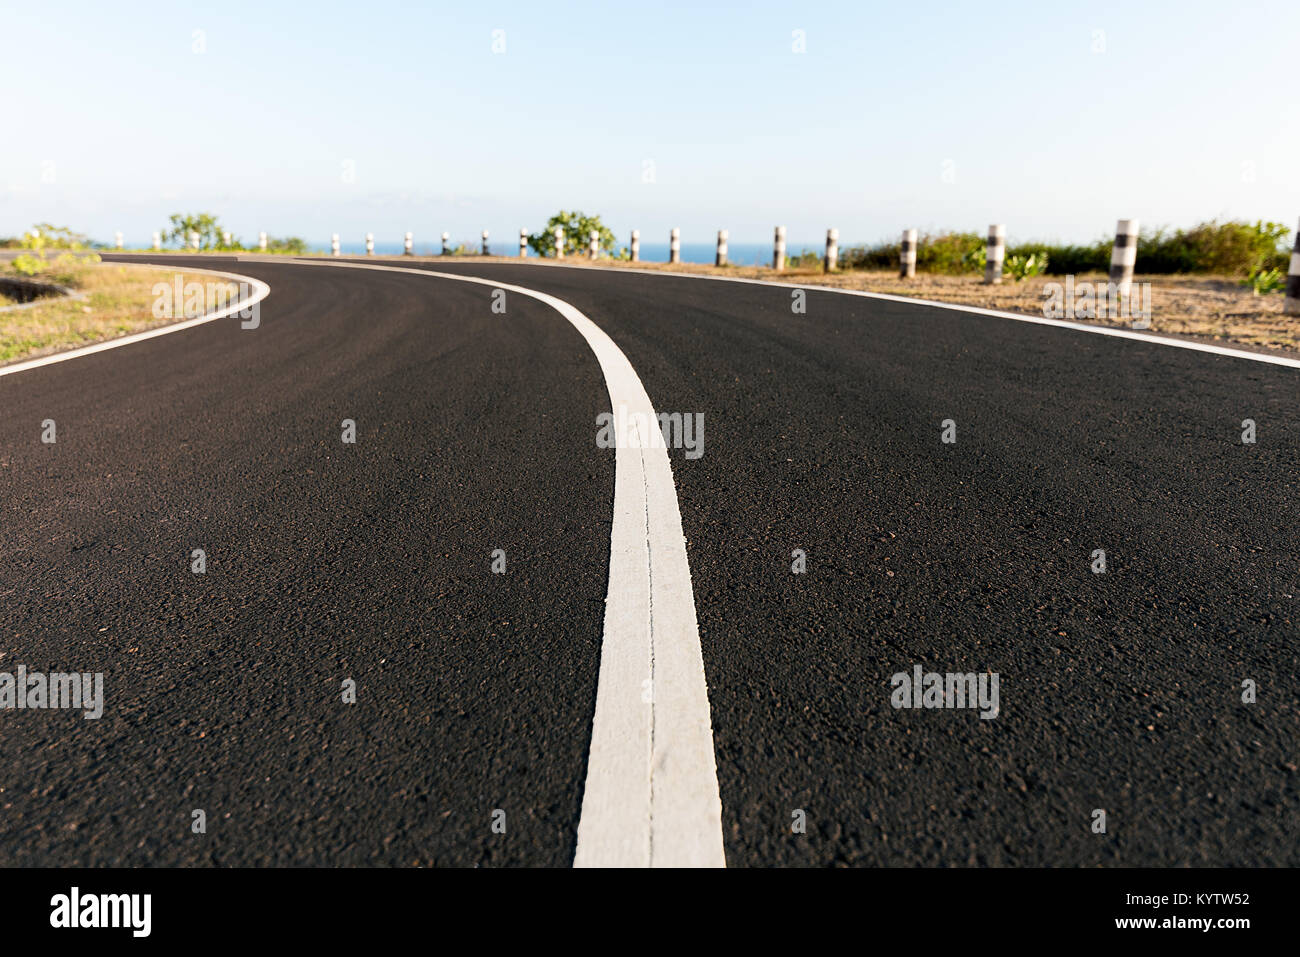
{"x": 804, "y": 259}
{"x": 1020, "y": 267}
{"x": 950, "y": 253}
{"x": 292, "y": 245}
{"x": 1264, "y": 281}
{"x": 67, "y": 269}
{"x": 27, "y": 265}
{"x": 1062, "y": 260}
{"x": 1229, "y": 248}
{"x": 577, "y": 235}
{"x": 45, "y": 236}
{"x": 205, "y": 224}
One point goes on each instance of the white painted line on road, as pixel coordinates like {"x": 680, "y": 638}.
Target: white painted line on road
{"x": 1192, "y": 345}
{"x": 651, "y": 797}
{"x": 260, "y": 291}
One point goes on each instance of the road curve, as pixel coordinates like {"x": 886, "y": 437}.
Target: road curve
{"x": 1120, "y": 691}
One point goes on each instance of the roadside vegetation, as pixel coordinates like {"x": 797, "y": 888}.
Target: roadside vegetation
{"x": 578, "y": 227}
{"x": 212, "y": 237}
{"x": 1232, "y": 248}
{"x": 1216, "y": 280}
{"x": 117, "y": 300}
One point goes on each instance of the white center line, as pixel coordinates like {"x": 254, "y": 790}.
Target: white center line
{"x": 651, "y": 797}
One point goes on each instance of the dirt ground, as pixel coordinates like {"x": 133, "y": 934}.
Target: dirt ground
{"x": 118, "y": 301}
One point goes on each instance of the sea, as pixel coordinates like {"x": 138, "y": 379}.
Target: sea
{"x": 740, "y": 254}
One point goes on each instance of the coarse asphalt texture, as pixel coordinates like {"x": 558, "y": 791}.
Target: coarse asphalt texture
{"x": 1119, "y": 692}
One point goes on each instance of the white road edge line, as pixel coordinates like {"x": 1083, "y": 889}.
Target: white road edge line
{"x": 651, "y": 796}
{"x": 260, "y": 291}
{"x": 957, "y": 307}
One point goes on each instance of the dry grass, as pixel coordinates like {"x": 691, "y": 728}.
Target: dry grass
{"x": 1212, "y": 307}
{"x": 119, "y": 301}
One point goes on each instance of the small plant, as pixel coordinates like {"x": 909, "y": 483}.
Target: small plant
{"x": 1264, "y": 281}
{"x": 68, "y": 269}
{"x": 27, "y": 264}
{"x": 1025, "y": 267}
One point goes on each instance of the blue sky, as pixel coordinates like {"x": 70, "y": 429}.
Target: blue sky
{"x": 932, "y": 115}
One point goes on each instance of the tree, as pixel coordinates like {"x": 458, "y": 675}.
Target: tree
{"x": 205, "y": 224}
{"x": 577, "y": 235}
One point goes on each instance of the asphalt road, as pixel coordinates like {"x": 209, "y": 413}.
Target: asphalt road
{"x": 1118, "y": 691}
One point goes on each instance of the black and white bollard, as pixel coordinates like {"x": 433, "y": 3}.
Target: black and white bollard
{"x": 593, "y": 248}
{"x": 559, "y": 242}
{"x": 523, "y": 243}
{"x": 446, "y": 244}
{"x": 1291, "y": 305}
{"x": 778, "y": 249}
{"x": 995, "y": 253}
{"x": 1123, "y": 257}
{"x": 634, "y": 250}
{"x": 334, "y": 244}
{"x": 157, "y": 241}
{"x": 907, "y": 255}
{"x": 675, "y": 246}
{"x": 194, "y": 240}
{"x": 261, "y": 241}
{"x": 225, "y": 237}
{"x": 485, "y": 245}
{"x": 721, "y": 258}
{"x": 832, "y": 260}
{"x": 409, "y": 245}
{"x": 370, "y": 244}
{"x": 118, "y": 238}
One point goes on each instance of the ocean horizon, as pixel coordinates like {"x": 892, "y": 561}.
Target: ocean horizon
{"x": 742, "y": 254}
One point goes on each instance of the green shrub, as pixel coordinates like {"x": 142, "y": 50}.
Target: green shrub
{"x": 1063, "y": 260}
{"x": 1230, "y": 248}
{"x": 46, "y": 236}
{"x": 292, "y": 245}
{"x": 27, "y": 264}
{"x": 804, "y": 259}
{"x": 67, "y": 268}
{"x": 205, "y": 224}
{"x": 1020, "y": 267}
{"x": 577, "y": 235}
{"x": 950, "y": 253}
{"x": 880, "y": 256}
{"x": 1264, "y": 281}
